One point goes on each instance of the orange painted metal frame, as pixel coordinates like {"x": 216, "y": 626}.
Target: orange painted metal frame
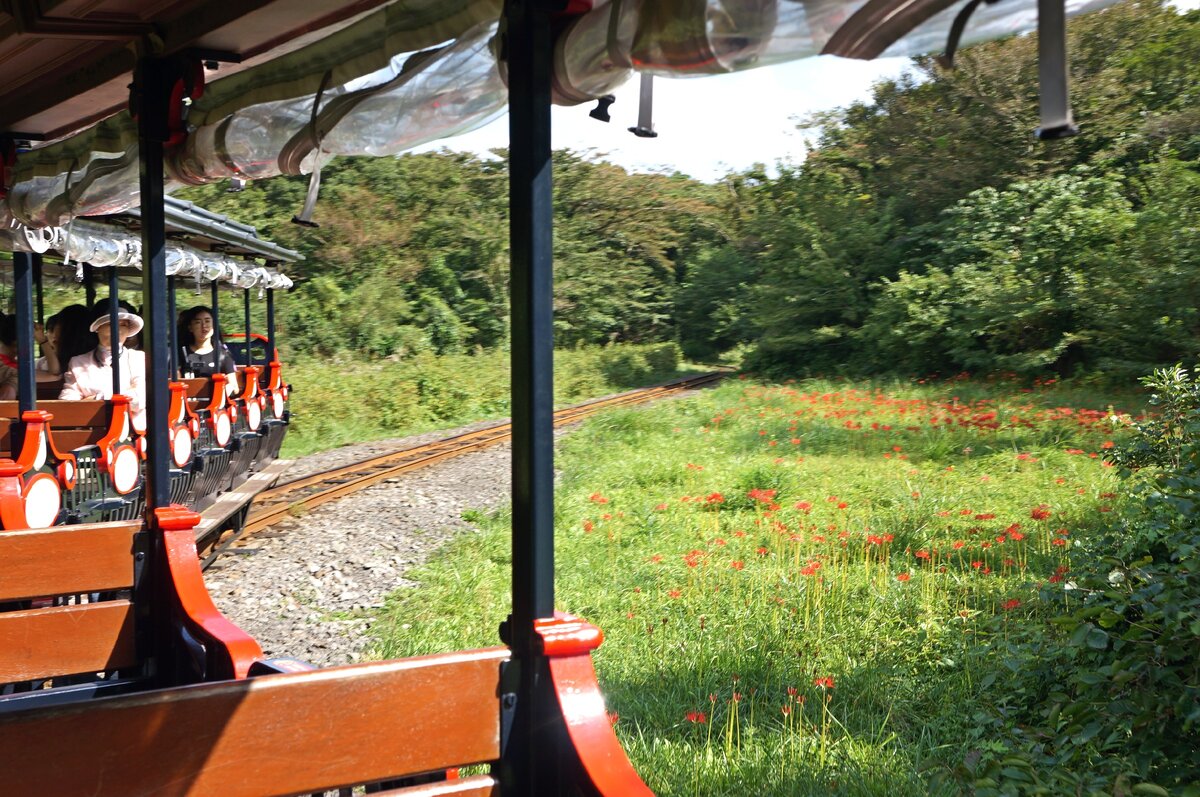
{"x": 231, "y": 650}
{"x": 568, "y": 643}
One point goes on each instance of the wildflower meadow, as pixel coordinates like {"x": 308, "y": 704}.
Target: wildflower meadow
{"x": 820, "y": 587}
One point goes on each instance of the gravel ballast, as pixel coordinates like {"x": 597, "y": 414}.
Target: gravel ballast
{"x": 311, "y": 587}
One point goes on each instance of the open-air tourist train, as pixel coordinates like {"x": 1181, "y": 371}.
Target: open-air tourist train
{"x": 120, "y": 676}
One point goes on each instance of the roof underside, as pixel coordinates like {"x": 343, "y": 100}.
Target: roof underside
{"x": 67, "y": 63}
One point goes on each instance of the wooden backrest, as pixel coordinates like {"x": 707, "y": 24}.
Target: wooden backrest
{"x": 199, "y": 387}
{"x": 271, "y": 735}
{"x": 49, "y": 391}
{"x": 6, "y": 439}
{"x": 75, "y": 424}
{"x": 66, "y": 560}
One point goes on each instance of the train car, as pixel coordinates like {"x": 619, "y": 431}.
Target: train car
{"x": 131, "y": 682}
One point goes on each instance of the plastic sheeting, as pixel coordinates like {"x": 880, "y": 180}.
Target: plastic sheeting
{"x": 103, "y": 246}
{"x": 456, "y": 85}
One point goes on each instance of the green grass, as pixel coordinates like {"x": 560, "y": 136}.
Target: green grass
{"x": 886, "y": 560}
{"x": 425, "y": 392}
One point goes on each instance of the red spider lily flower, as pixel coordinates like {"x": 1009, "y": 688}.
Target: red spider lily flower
{"x": 660, "y": 508}
{"x": 985, "y": 545}
{"x": 691, "y": 466}
{"x": 803, "y": 506}
{"x": 842, "y": 505}
{"x": 1054, "y": 579}
{"x": 606, "y": 516}
{"x": 786, "y": 710}
{"x": 832, "y": 499}
{"x": 1075, "y": 451}
{"x": 1001, "y": 539}
{"x": 824, "y": 683}
{"x": 1039, "y": 512}
{"x": 766, "y": 496}
{"x": 985, "y": 516}
{"x": 944, "y": 513}
{"x": 897, "y": 448}
{"x": 966, "y": 512}
{"x": 1016, "y": 536}
{"x": 738, "y": 565}
{"x": 597, "y": 498}
{"x": 719, "y": 542}
{"x": 977, "y": 564}
{"x": 903, "y": 576}
{"x": 958, "y": 544}
{"x": 986, "y": 571}
{"x": 1060, "y": 481}
{"x": 674, "y": 594}
{"x": 1060, "y": 542}
{"x": 1107, "y": 464}
{"x": 1011, "y": 604}
{"x": 712, "y": 697}
{"x": 796, "y": 441}
{"x": 1106, "y": 509}
{"x": 697, "y": 717}
{"x": 715, "y": 498}
{"x": 791, "y": 690}
{"x": 737, "y": 697}
{"x": 1107, "y": 444}
{"x": 588, "y": 526}
{"x": 761, "y": 551}
{"x": 614, "y": 718}
{"x": 1014, "y": 527}
{"x": 888, "y": 537}
{"x": 1009, "y": 563}
{"x": 922, "y": 554}
{"x": 655, "y": 559}
{"x": 1108, "y": 495}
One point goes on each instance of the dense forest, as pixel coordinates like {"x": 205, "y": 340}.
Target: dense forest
{"x": 925, "y": 230}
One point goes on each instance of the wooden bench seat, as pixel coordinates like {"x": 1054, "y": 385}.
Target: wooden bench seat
{"x": 66, "y": 561}
{"x": 76, "y": 423}
{"x": 270, "y": 735}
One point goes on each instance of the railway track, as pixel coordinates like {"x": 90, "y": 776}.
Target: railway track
{"x": 294, "y": 497}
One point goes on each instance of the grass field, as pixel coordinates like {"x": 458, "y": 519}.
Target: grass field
{"x": 807, "y": 588}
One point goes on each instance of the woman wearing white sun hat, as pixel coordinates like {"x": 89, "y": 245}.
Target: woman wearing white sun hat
{"x": 89, "y": 375}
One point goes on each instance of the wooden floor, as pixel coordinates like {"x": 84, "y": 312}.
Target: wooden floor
{"x": 212, "y": 518}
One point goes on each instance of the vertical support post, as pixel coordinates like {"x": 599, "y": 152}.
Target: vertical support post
{"x": 154, "y": 82}
{"x": 172, "y": 330}
{"x": 39, "y": 304}
{"x": 271, "y": 356}
{"x": 218, "y": 338}
{"x": 89, "y": 285}
{"x": 114, "y": 335}
{"x": 23, "y": 300}
{"x": 534, "y": 739}
{"x": 246, "y": 318}
{"x": 1055, "y": 99}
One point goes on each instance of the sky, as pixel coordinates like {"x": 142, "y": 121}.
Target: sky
{"x": 707, "y": 126}
{"x": 710, "y": 126}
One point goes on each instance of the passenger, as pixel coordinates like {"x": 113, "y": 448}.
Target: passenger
{"x": 8, "y": 360}
{"x": 74, "y": 337}
{"x": 47, "y": 336}
{"x": 89, "y": 375}
{"x": 203, "y": 352}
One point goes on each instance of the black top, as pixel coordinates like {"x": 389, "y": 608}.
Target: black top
{"x": 206, "y": 364}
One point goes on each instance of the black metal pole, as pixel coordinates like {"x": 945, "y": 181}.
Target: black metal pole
{"x": 172, "y": 330}
{"x": 89, "y": 285}
{"x": 533, "y": 741}
{"x": 39, "y": 304}
{"x": 23, "y": 301}
{"x": 114, "y": 331}
{"x": 218, "y": 344}
{"x": 153, "y": 84}
{"x": 246, "y": 317}
{"x": 271, "y": 356}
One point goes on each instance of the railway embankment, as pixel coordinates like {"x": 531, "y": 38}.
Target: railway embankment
{"x": 312, "y": 586}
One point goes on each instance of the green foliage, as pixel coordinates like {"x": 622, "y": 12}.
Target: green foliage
{"x": 425, "y": 391}
{"x": 1109, "y": 691}
{"x": 927, "y": 231}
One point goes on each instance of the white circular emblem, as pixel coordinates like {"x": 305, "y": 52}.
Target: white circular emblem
{"x": 125, "y": 471}
{"x": 181, "y": 446}
{"x": 43, "y": 499}
{"x": 223, "y": 429}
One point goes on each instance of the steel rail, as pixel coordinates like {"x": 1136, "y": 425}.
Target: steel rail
{"x": 287, "y": 499}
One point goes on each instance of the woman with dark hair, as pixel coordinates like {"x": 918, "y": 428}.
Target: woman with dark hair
{"x": 66, "y": 335}
{"x": 203, "y": 353}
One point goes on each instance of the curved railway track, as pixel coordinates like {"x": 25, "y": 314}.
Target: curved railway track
{"x": 290, "y": 498}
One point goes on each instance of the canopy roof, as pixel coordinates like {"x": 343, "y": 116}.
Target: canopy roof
{"x": 312, "y": 79}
